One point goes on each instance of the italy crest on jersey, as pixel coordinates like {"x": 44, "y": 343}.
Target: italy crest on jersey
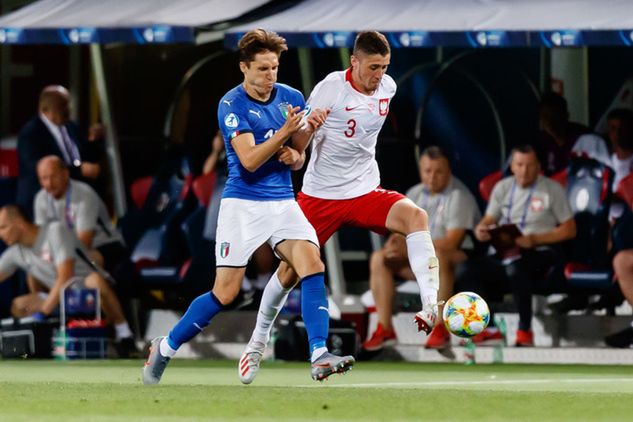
{"x": 224, "y": 249}
{"x": 283, "y": 107}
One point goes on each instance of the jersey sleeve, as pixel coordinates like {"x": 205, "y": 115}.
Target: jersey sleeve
{"x": 232, "y": 119}
{"x": 62, "y": 242}
{"x": 462, "y": 211}
{"x": 87, "y": 214}
{"x": 39, "y": 208}
{"x": 324, "y": 95}
{"x": 560, "y": 203}
{"x": 496, "y": 200}
{"x": 8, "y": 262}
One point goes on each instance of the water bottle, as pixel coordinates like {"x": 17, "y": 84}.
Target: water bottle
{"x": 497, "y": 353}
{"x": 59, "y": 345}
{"x": 469, "y": 352}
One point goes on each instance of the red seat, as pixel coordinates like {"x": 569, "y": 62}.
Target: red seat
{"x": 487, "y": 183}
{"x": 560, "y": 177}
{"x": 140, "y": 189}
{"x": 8, "y": 163}
{"x": 203, "y": 187}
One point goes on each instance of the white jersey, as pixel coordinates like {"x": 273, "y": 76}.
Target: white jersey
{"x": 343, "y": 162}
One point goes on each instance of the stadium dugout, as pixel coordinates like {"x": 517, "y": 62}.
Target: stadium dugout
{"x": 443, "y": 39}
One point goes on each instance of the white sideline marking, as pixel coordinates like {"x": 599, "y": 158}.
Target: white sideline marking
{"x": 466, "y": 383}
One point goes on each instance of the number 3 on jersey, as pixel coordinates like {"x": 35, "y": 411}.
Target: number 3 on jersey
{"x": 351, "y": 128}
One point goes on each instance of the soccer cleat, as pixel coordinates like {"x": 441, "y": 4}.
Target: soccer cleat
{"x": 380, "y": 338}
{"x": 249, "y": 362}
{"x": 156, "y": 363}
{"x": 525, "y": 338}
{"x": 439, "y": 338}
{"x": 622, "y": 339}
{"x": 426, "y": 318}
{"x": 328, "y": 364}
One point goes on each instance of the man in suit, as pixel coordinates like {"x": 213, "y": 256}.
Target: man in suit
{"x": 52, "y": 133}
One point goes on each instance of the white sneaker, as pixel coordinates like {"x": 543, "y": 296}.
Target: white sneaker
{"x": 250, "y": 360}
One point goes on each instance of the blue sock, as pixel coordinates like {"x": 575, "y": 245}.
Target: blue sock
{"x": 200, "y": 312}
{"x": 314, "y": 310}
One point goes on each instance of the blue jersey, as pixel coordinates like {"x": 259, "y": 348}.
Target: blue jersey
{"x": 238, "y": 113}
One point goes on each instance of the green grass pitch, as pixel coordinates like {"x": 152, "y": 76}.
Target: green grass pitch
{"x": 210, "y": 390}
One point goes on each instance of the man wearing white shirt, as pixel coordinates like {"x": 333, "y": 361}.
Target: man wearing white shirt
{"x": 341, "y": 186}
{"x": 620, "y": 133}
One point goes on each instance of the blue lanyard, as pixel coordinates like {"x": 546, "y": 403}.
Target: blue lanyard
{"x": 68, "y": 216}
{"x": 525, "y": 208}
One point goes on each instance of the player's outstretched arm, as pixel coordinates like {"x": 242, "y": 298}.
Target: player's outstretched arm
{"x": 301, "y": 139}
{"x": 65, "y": 271}
{"x": 252, "y": 155}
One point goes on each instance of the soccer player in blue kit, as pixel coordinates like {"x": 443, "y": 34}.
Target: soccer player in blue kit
{"x": 259, "y": 119}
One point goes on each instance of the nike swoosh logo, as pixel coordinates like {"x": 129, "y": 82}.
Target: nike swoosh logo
{"x": 323, "y": 308}
{"x": 350, "y": 108}
{"x": 430, "y": 268}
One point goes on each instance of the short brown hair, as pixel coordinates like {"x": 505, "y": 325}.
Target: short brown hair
{"x": 371, "y": 42}
{"x": 14, "y": 212}
{"x": 434, "y": 153}
{"x": 260, "y": 40}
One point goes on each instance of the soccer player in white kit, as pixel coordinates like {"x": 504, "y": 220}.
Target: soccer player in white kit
{"x": 342, "y": 185}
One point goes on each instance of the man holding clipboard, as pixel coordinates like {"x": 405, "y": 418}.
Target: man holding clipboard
{"x": 527, "y": 219}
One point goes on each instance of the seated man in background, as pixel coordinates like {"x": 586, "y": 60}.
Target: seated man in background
{"x": 52, "y": 256}
{"x": 557, "y": 135}
{"x": 79, "y": 208}
{"x": 539, "y": 208}
{"x": 452, "y": 211}
{"x": 620, "y": 126}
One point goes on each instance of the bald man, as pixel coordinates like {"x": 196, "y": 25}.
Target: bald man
{"x": 52, "y": 256}
{"x": 80, "y": 209}
{"x": 51, "y": 132}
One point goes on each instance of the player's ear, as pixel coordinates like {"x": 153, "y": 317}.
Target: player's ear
{"x": 243, "y": 67}
{"x": 353, "y": 60}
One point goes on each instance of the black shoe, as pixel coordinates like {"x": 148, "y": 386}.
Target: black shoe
{"x": 570, "y": 303}
{"x": 126, "y": 348}
{"x": 622, "y": 339}
{"x": 608, "y": 301}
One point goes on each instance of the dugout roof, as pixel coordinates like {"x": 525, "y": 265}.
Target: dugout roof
{"x": 113, "y": 21}
{"x": 463, "y": 23}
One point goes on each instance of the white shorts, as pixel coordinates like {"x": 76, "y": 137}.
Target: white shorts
{"x": 245, "y": 225}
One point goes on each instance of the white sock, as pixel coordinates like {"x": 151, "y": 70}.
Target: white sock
{"x": 122, "y": 330}
{"x": 165, "y": 349}
{"x": 273, "y": 300}
{"x": 317, "y": 353}
{"x": 425, "y": 266}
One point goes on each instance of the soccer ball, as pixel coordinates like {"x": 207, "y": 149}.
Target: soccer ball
{"x": 466, "y": 314}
